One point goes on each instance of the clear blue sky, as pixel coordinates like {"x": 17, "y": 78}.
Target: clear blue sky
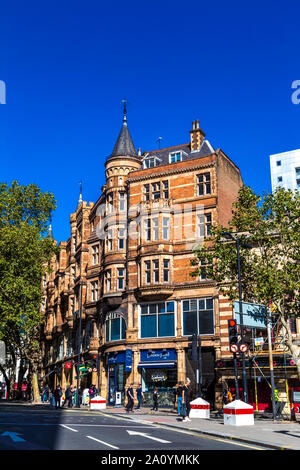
{"x": 68, "y": 64}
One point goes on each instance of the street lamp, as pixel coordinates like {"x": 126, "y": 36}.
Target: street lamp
{"x": 229, "y": 236}
{"x": 79, "y": 346}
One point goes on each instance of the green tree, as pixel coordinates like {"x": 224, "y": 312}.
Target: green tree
{"x": 268, "y": 229}
{"x": 25, "y": 250}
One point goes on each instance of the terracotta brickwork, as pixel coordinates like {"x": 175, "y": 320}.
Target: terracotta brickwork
{"x": 132, "y": 249}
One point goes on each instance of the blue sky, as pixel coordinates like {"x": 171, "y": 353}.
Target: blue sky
{"x": 67, "y": 65}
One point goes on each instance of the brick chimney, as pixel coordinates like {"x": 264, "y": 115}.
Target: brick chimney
{"x": 197, "y": 136}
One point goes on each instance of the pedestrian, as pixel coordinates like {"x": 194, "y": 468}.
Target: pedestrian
{"x": 69, "y": 396}
{"x": 186, "y": 399}
{"x": 155, "y": 399}
{"x": 179, "y": 390}
{"x": 139, "y": 396}
{"x": 230, "y": 397}
{"x": 130, "y": 398}
{"x": 225, "y": 397}
{"x": 57, "y": 396}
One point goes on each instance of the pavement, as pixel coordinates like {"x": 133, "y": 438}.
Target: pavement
{"x": 282, "y": 434}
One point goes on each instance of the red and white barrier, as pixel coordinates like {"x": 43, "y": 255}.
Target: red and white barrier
{"x": 200, "y": 409}
{"x": 97, "y": 403}
{"x": 238, "y": 413}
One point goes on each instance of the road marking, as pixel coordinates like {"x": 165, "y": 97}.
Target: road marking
{"x": 67, "y": 427}
{"x": 135, "y": 433}
{"x": 14, "y": 436}
{"x": 102, "y": 442}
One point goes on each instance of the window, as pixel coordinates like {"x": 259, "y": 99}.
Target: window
{"x": 150, "y": 162}
{"x": 121, "y": 238}
{"x": 72, "y": 306}
{"x": 297, "y": 170}
{"x": 166, "y": 189}
{"x": 109, "y": 240}
{"x": 94, "y": 291}
{"x": 108, "y": 280}
{"x": 44, "y": 280}
{"x": 147, "y": 227}
{"x": 155, "y": 264}
{"x": 73, "y": 274}
{"x": 278, "y": 163}
{"x": 147, "y": 272}
{"x": 43, "y": 307}
{"x": 110, "y": 200}
{"x": 298, "y": 182}
{"x": 95, "y": 254}
{"x": 166, "y": 228}
{"x": 166, "y": 270}
{"x": 279, "y": 179}
{"x": 122, "y": 205}
{"x": 198, "y": 316}
{"x": 147, "y": 192}
{"x": 157, "y": 320}
{"x": 121, "y": 278}
{"x": 175, "y": 157}
{"x": 204, "y": 225}
{"x": 155, "y": 229}
{"x": 115, "y": 327}
{"x": 204, "y": 184}
{"x": 74, "y": 243}
{"x": 156, "y": 190}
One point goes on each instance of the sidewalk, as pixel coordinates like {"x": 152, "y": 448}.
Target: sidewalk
{"x": 279, "y": 435}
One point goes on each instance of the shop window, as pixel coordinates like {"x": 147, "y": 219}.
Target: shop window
{"x": 198, "y": 316}
{"x": 115, "y": 328}
{"x": 157, "y": 320}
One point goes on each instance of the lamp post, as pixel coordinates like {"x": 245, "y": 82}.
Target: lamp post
{"x": 229, "y": 236}
{"x": 79, "y": 346}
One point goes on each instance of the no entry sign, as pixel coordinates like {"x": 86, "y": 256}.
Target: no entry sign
{"x": 234, "y": 348}
{"x": 243, "y": 348}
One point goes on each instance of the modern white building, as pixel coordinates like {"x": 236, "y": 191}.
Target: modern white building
{"x": 285, "y": 170}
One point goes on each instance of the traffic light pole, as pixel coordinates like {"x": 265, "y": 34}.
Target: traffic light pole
{"x": 237, "y": 393}
{"x": 200, "y": 368}
{"x": 244, "y": 373}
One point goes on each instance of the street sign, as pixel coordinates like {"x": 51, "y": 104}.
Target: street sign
{"x": 243, "y": 348}
{"x": 234, "y": 348}
{"x": 254, "y": 315}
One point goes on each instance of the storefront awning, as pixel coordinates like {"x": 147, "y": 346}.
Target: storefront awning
{"x": 155, "y": 365}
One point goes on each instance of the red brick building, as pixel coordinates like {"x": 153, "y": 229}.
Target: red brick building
{"x": 125, "y": 270}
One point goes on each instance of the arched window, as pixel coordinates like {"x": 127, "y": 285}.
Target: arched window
{"x": 115, "y": 327}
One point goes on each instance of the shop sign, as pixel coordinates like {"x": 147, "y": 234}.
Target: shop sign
{"x": 68, "y": 365}
{"x": 158, "y": 355}
{"x": 15, "y": 386}
{"x": 158, "y": 377}
{"x": 259, "y": 341}
{"x": 128, "y": 360}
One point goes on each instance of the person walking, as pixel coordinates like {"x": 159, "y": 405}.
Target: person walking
{"x": 69, "y": 396}
{"x": 57, "y": 396}
{"x": 179, "y": 397}
{"x": 130, "y": 398}
{"x": 139, "y": 396}
{"x": 155, "y": 399}
{"x": 186, "y": 399}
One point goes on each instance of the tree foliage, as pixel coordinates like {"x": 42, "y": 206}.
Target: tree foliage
{"x": 25, "y": 250}
{"x": 268, "y": 230}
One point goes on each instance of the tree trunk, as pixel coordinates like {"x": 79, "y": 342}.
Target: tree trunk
{"x": 36, "y": 397}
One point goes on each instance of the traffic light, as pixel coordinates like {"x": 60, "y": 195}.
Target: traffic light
{"x": 193, "y": 348}
{"x": 95, "y": 362}
{"x": 233, "y": 335}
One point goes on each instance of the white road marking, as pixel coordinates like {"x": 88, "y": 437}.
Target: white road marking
{"x": 102, "y": 442}
{"x": 135, "y": 433}
{"x": 67, "y": 427}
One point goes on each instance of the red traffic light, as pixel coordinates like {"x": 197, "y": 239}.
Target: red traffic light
{"x": 232, "y": 322}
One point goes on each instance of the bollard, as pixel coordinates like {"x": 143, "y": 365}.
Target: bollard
{"x": 238, "y": 413}
{"x": 97, "y": 403}
{"x": 200, "y": 409}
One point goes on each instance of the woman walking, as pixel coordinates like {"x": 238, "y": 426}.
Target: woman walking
{"x": 155, "y": 399}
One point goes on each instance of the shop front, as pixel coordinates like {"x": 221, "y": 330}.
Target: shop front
{"x": 159, "y": 369}
{"x": 119, "y": 364}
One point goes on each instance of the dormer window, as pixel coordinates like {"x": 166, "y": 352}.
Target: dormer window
{"x": 151, "y": 162}
{"x": 175, "y": 157}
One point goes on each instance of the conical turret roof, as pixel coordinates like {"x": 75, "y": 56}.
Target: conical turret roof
{"x": 124, "y": 144}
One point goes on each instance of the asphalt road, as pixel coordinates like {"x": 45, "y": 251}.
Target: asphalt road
{"x": 42, "y": 430}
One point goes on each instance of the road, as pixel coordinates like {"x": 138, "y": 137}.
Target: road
{"x": 26, "y": 428}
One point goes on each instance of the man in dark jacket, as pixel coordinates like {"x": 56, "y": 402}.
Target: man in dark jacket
{"x": 130, "y": 398}
{"x": 57, "y": 396}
